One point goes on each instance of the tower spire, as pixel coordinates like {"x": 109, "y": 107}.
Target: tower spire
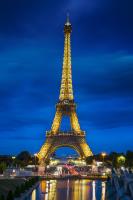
{"x": 68, "y": 21}
{"x": 66, "y": 90}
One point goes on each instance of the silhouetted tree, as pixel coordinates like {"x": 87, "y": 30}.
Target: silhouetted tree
{"x": 89, "y": 159}
{"x": 17, "y": 192}
{"x": 22, "y": 188}
{"x": 23, "y": 158}
{"x": 47, "y": 161}
{"x": 2, "y": 197}
{"x": 10, "y": 195}
{"x": 2, "y": 167}
{"x": 129, "y": 159}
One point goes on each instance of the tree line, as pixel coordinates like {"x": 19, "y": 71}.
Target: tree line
{"x": 24, "y": 158}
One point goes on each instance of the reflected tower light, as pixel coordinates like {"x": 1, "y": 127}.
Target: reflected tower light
{"x": 103, "y": 154}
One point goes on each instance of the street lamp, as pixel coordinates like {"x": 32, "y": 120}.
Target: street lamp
{"x": 35, "y": 155}
{"x": 103, "y": 154}
{"x": 13, "y": 158}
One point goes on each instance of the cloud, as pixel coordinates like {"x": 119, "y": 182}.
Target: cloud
{"x": 31, "y": 51}
{"x": 105, "y": 76}
{"x": 27, "y": 88}
{"x": 105, "y": 118}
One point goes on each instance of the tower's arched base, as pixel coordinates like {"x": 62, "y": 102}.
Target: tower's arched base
{"x": 77, "y": 142}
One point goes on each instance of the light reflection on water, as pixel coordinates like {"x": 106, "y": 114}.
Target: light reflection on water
{"x": 33, "y": 196}
{"x": 69, "y": 190}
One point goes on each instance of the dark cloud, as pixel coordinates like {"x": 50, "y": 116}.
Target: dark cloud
{"x": 106, "y": 117}
{"x": 105, "y": 76}
{"x": 25, "y": 19}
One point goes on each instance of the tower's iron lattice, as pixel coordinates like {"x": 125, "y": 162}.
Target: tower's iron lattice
{"x": 75, "y": 138}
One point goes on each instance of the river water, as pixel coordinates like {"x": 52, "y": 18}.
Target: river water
{"x": 69, "y": 190}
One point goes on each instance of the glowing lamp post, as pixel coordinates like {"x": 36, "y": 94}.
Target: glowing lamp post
{"x": 103, "y": 154}
{"x": 13, "y": 158}
{"x": 35, "y": 155}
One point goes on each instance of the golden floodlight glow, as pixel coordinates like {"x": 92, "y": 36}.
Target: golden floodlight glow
{"x": 103, "y": 154}
{"x": 74, "y": 138}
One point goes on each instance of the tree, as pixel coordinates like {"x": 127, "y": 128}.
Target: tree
{"x": 47, "y": 161}
{"x": 24, "y": 158}
{"x": 121, "y": 160}
{"x": 89, "y": 159}
{"x": 10, "y": 195}
{"x": 17, "y": 192}
{"x": 113, "y": 158}
{"x": 2, "y": 167}
{"x": 2, "y": 197}
{"x": 129, "y": 159}
{"x": 22, "y": 188}
{"x": 27, "y": 185}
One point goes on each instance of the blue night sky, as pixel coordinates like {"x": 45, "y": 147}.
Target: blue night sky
{"x": 31, "y": 54}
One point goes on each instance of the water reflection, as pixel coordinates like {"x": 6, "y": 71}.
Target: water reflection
{"x": 33, "y": 196}
{"x": 103, "y": 191}
{"x": 70, "y": 190}
{"x": 93, "y": 190}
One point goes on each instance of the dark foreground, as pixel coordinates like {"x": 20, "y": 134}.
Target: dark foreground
{"x": 10, "y": 184}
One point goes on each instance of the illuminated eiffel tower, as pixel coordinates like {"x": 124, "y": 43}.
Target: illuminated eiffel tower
{"x": 75, "y": 138}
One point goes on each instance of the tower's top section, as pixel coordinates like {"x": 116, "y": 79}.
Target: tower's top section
{"x": 66, "y": 91}
{"x": 68, "y": 26}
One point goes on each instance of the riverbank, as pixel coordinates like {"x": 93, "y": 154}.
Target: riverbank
{"x": 90, "y": 177}
{"x": 27, "y": 193}
{"x": 17, "y": 188}
{"x": 7, "y": 185}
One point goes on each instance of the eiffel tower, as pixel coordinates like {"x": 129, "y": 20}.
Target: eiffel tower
{"x": 75, "y": 138}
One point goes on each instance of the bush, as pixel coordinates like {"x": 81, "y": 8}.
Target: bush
{"x": 10, "y": 196}
{"x": 30, "y": 183}
{"x": 24, "y": 158}
{"x": 17, "y": 192}
{"x": 27, "y": 185}
{"x": 2, "y": 197}
{"x": 22, "y": 188}
{"x": 2, "y": 167}
{"x": 36, "y": 179}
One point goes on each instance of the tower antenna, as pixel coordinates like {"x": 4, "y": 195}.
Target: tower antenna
{"x": 68, "y": 17}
